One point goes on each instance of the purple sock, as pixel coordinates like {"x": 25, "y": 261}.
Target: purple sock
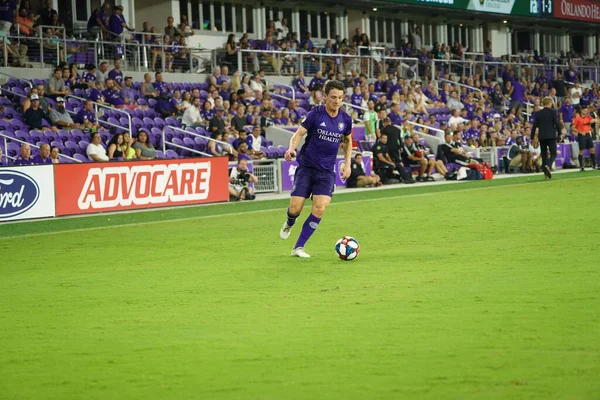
{"x": 291, "y": 218}
{"x": 308, "y": 229}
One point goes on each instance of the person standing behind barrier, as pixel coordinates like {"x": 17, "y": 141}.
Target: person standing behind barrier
{"x": 546, "y": 121}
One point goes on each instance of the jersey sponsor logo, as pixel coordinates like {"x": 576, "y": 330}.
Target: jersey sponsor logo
{"x": 323, "y": 124}
{"x": 329, "y": 136}
{"x": 145, "y": 184}
{"x": 18, "y": 193}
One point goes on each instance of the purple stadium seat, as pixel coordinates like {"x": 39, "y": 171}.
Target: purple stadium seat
{"x": 22, "y": 135}
{"x": 13, "y": 149}
{"x": 170, "y": 121}
{"x": 142, "y": 102}
{"x": 17, "y": 124}
{"x": 81, "y": 157}
{"x": 201, "y": 143}
{"x": 149, "y": 122}
{"x": 171, "y": 154}
{"x": 84, "y": 144}
{"x": 159, "y": 154}
{"x": 4, "y": 125}
{"x": 152, "y": 102}
{"x": 160, "y": 123}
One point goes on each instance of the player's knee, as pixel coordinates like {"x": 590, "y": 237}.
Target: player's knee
{"x": 319, "y": 209}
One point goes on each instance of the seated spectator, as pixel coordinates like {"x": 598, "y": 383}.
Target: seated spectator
{"x": 143, "y": 148}
{"x": 95, "y": 151}
{"x": 358, "y": 177}
{"x": 214, "y": 147}
{"x": 115, "y": 146}
{"x": 254, "y": 142}
{"x": 89, "y": 76}
{"x": 128, "y": 150}
{"x": 245, "y": 154}
{"x": 116, "y": 75}
{"x": 60, "y": 117}
{"x": 191, "y": 116}
{"x": 266, "y": 120}
{"x": 239, "y": 178}
{"x": 299, "y": 83}
{"x": 242, "y": 137}
{"x": 535, "y": 153}
{"x": 518, "y": 155}
{"x": 128, "y": 92}
{"x": 176, "y": 101}
{"x": 217, "y": 123}
{"x": 43, "y": 156}
{"x": 55, "y": 87}
{"x": 454, "y": 153}
{"x": 27, "y": 101}
{"x": 95, "y": 94}
{"x": 148, "y": 90}
{"x": 112, "y": 95}
{"x": 55, "y": 155}
{"x": 102, "y": 72}
{"x": 186, "y": 100}
{"x": 389, "y": 171}
{"x": 454, "y": 102}
{"x": 239, "y": 121}
{"x": 161, "y": 86}
{"x": 34, "y": 115}
{"x": 413, "y": 157}
{"x": 24, "y": 157}
{"x": 438, "y": 164}
{"x": 165, "y": 107}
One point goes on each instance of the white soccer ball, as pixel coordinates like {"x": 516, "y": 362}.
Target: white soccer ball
{"x": 347, "y": 248}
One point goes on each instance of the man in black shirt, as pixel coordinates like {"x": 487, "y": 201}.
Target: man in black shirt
{"x": 358, "y": 177}
{"x": 34, "y": 115}
{"x": 393, "y": 140}
{"x": 454, "y": 153}
{"x": 239, "y": 121}
{"x": 265, "y": 121}
{"x": 381, "y": 104}
{"x": 559, "y": 85}
{"x": 217, "y": 123}
{"x": 387, "y": 169}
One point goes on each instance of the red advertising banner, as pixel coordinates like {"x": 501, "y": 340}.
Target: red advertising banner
{"x": 580, "y": 10}
{"x": 99, "y": 187}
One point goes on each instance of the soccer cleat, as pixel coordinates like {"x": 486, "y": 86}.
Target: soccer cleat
{"x": 547, "y": 172}
{"x": 285, "y": 231}
{"x": 299, "y": 252}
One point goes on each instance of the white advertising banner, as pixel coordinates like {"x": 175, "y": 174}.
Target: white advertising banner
{"x": 26, "y": 192}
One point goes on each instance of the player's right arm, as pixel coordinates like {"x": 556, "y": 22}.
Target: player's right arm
{"x": 294, "y": 141}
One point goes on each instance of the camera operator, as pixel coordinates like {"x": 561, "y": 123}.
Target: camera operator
{"x": 238, "y": 182}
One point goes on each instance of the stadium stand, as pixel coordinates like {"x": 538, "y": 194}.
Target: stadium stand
{"x": 489, "y": 101}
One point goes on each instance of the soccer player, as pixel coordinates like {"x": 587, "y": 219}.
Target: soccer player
{"x": 582, "y": 125}
{"x": 325, "y": 127}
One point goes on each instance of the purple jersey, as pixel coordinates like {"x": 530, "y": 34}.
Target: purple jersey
{"x": 324, "y": 134}
{"x": 39, "y": 160}
{"x": 116, "y": 76}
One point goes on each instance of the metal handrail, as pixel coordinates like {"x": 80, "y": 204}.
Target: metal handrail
{"x": 192, "y": 134}
{"x": 349, "y": 105}
{"x": 439, "y": 133}
{"x": 27, "y": 81}
{"x": 103, "y": 106}
{"x": 461, "y": 85}
{"x": 32, "y": 145}
{"x": 184, "y": 148}
{"x": 287, "y": 86}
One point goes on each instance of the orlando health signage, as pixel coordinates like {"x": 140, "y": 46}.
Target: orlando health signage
{"x": 579, "y": 10}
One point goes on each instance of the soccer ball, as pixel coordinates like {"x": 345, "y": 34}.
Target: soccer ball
{"x": 347, "y": 248}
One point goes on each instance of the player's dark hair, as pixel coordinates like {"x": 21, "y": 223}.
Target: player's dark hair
{"x": 334, "y": 85}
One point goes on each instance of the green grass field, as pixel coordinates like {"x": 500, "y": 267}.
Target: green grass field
{"x": 480, "y": 290}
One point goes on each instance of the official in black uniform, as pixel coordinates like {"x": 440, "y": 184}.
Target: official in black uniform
{"x": 546, "y": 120}
{"x": 393, "y": 140}
{"x": 383, "y": 164}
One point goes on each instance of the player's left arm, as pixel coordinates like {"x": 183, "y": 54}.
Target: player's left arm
{"x": 347, "y": 155}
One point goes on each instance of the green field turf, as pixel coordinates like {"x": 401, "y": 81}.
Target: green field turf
{"x": 481, "y": 290}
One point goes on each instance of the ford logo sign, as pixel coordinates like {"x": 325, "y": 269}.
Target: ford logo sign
{"x": 18, "y": 193}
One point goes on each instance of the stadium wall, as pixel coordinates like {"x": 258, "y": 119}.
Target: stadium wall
{"x": 156, "y": 13}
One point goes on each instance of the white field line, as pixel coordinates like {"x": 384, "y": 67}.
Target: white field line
{"x": 458, "y": 190}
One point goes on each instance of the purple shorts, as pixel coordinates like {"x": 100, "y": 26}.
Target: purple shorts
{"x": 309, "y": 181}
